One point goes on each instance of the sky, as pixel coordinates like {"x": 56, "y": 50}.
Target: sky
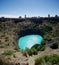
{"x": 15, "y": 8}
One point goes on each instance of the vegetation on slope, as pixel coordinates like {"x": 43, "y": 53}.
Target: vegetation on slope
{"x": 48, "y": 60}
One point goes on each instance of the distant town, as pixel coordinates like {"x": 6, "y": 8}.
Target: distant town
{"x": 3, "y": 16}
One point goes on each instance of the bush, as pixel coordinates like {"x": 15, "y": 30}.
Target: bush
{"x": 39, "y": 61}
{"x": 54, "y": 59}
{"x": 34, "y": 50}
{"x": 54, "y": 45}
{"x": 41, "y": 48}
{"x": 30, "y": 52}
{"x": 27, "y": 51}
{"x": 8, "y": 52}
{"x": 46, "y": 29}
{"x": 43, "y": 42}
{"x": 45, "y": 60}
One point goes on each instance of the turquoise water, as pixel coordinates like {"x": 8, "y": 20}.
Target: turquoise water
{"x": 28, "y": 41}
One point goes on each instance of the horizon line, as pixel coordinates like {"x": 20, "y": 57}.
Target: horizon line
{"x": 17, "y": 16}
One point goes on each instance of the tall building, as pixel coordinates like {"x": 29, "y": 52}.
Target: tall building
{"x": 25, "y": 16}
{"x": 48, "y": 15}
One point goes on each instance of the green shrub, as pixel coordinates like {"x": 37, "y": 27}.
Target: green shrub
{"x": 8, "y": 52}
{"x": 45, "y": 60}
{"x": 41, "y": 48}
{"x": 54, "y": 45}
{"x": 34, "y": 51}
{"x": 43, "y": 42}
{"x": 39, "y": 61}
{"x": 1, "y": 46}
{"x": 46, "y": 29}
{"x": 54, "y": 59}
{"x": 30, "y": 52}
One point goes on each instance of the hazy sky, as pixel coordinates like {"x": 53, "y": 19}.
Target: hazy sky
{"x": 29, "y": 7}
